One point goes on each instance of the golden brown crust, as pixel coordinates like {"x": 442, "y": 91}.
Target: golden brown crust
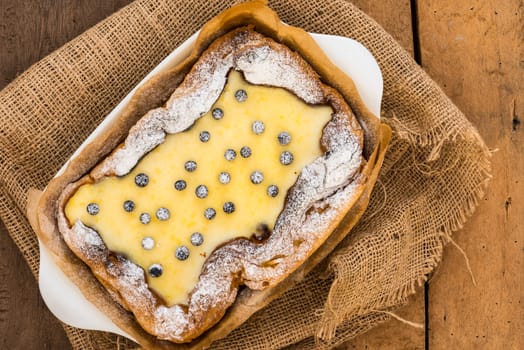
{"x": 153, "y": 94}
{"x": 240, "y": 261}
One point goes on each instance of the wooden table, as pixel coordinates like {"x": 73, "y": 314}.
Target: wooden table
{"x": 474, "y": 50}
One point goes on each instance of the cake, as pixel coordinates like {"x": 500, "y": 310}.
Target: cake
{"x": 253, "y": 166}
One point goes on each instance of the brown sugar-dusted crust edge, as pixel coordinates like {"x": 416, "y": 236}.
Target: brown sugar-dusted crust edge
{"x": 153, "y": 94}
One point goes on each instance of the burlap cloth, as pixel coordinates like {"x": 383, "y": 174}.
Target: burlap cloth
{"x": 434, "y": 173}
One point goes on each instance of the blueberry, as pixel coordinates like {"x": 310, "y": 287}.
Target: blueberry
{"x": 148, "y": 243}
{"x": 229, "y": 207}
{"x": 201, "y": 191}
{"x": 162, "y": 214}
{"x": 284, "y": 138}
{"x": 205, "y": 136}
{"x": 217, "y": 113}
{"x": 272, "y": 191}
{"x": 262, "y": 232}
{"x": 180, "y": 185}
{"x": 182, "y": 252}
{"x": 93, "y": 209}
{"x": 129, "y": 206}
{"x": 155, "y": 270}
{"x": 145, "y": 218}
{"x": 224, "y": 177}
{"x": 197, "y": 239}
{"x": 210, "y": 213}
{"x": 190, "y": 166}
{"x": 257, "y": 177}
{"x": 258, "y": 127}
{"x": 230, "y": 154}
{"x": 141, "y": 180}
{"x": 245, "y": 152}
{"x": 241, "y": 95}
{"x": 286, "y": 158}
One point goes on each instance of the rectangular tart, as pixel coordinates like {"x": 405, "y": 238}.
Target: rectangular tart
{"x": 224, "y": 181}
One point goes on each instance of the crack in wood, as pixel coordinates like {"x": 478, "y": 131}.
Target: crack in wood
{"x": 507, "y": 205}
{"x": 515, "y": 121}
{"x": 415, "y": 30}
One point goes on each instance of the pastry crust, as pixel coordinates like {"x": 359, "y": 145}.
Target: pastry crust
{"x": 311, "y": 204}
{"x": 328, "y": 198}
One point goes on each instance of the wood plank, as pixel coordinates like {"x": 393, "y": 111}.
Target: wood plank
{"x": 474, "y": 51}
{"x": 29, "y": 30}
{"x": 395, "y": 17}
{"x": 25, "y": 322}
{"x": 393, "y": 334}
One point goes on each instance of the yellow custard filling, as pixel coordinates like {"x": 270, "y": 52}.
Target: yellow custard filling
{"x": 244, "y": 187}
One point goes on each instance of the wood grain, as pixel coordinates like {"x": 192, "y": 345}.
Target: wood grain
{"x": 25, "y": 322}
{"x": 474, "y": 51}
{"x": 394, "y": 334}
{"x": 395, "y": 17}
{"x": 29, "y": 30}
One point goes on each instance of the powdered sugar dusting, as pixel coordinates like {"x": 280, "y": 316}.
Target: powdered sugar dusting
{"x": 322, "y": 190}
{"x": 87, "y": 240}
{"x": 257, "y": 57}
{"x": 263, "y": 65}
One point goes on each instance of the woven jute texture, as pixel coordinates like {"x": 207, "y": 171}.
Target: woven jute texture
{"x": 434, "y": 173}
